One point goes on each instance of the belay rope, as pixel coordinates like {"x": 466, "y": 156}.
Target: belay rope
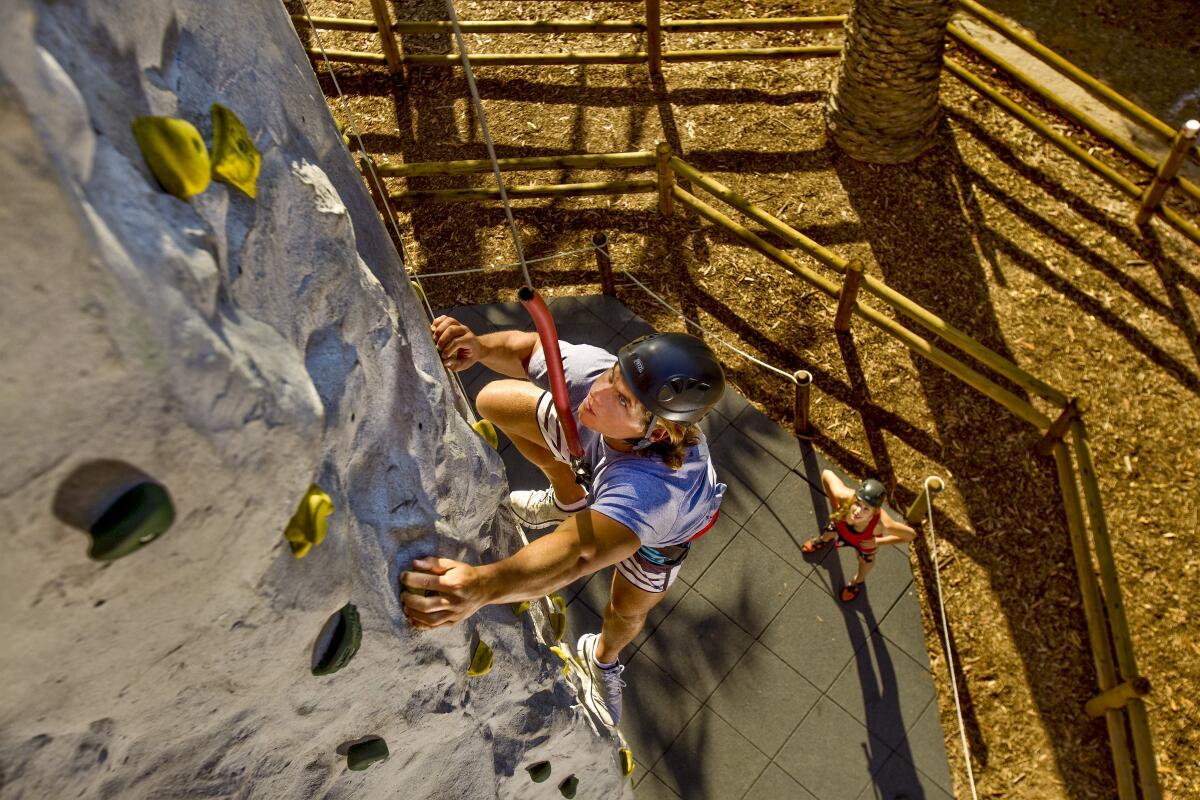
{"x": 933, "y": 480}
{"x": 530, "y": 299}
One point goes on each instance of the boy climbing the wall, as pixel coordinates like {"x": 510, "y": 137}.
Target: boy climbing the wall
{"x": 653, "y": 490}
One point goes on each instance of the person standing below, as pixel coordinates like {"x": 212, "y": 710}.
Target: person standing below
{"x": 653, "y": 490}
{"x": 856, "y": 521}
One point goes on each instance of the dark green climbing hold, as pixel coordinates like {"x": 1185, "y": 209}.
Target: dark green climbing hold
{"x": 235, "y": 159}
{"x": 175, "y": 154}
{"x": 338, "y": 641}
{"x": 567, "y": 788}
{"x": 364, "y": 754}
{"x": 539, "y": 771}
{"x": 136, "y": 518}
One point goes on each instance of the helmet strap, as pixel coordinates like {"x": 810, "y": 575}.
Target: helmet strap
{"x": 645, "y": 441}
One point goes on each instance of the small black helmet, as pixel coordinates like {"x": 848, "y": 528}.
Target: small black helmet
{"x": 675, "y": 375}
{"x": 871, "y": 492}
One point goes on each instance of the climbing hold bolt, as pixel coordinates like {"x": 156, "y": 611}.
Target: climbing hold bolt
{"x": 235, "y": 158}
{"x": 626, "y": 756}
{"x": 481, "y": 661}
{"x": 488, "y": 431}
{"x": 366, "y": 753}
{"x": 136, "y": 518}
{"x": 567, "y": 788}
{"x": 539, "y": 771}
{"x": 307, "y": 527}
{"x": 175, "y": 154}
{"x": 338, "y": 641}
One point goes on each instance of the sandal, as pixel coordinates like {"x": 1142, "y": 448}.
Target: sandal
{"x": 816, "y": 545}
{"x": 850, "y": 591}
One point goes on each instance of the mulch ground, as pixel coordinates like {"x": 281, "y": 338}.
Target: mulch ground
{"x": 993, "y": 229}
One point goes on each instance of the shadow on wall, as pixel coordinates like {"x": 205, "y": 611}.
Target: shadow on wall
{"x": 932, "y": 192}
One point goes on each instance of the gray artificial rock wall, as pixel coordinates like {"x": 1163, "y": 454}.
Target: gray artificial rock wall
{"x": 234, "y": 350}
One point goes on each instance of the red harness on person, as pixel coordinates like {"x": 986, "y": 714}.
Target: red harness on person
{"x": 856, "y": 538}
{"x": 704, "y": 530}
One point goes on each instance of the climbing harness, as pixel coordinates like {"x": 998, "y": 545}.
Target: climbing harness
{"x": 933, "y": 481}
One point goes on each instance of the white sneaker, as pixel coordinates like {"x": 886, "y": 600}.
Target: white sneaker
{"x": 601, "y": 687}
{"x": 539, "y": 508}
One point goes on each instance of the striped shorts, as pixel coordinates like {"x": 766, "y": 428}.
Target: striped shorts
{"x": 552, "y": 432}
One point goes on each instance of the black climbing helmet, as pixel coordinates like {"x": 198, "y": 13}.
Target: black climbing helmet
{"x": 675, "y": 375}
{"x": 871, "y": 492}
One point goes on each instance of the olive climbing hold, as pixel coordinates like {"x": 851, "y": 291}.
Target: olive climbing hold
{"x": 488, "y": 431}
{"x": 175, "y": 154}
{"x": 566, "y": 658}
{"x": 481, "y": 661}
{"x": 366, "y": 753}
{"x": 235, "y": 158}
{"x": 626, "y": 756}
{"x": 558, "y": 618}
{"x": 136, "y": 518}
{"x": 519, "y": 608}
{"x": 539, "y": 771}
{"x": 567, "y": 788}
{"x": 420, "y": 292}
{"x": 306, "y": 529}
{"x": 337, "y": 642}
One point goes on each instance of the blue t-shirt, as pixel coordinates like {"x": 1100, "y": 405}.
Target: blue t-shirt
{"x": 662, "y": 506}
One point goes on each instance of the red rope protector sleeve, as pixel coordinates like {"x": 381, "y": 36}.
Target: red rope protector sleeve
{"x": 548, "y": 334}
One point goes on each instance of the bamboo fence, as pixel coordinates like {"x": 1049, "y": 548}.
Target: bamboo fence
{"x": 1121, "y": 688}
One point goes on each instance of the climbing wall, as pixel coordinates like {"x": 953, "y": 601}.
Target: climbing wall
{"x": 225, "y": 433}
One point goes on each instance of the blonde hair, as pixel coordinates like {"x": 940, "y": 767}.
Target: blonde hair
{"x": 673, "y": 449}
{"x": 843, "y": 511}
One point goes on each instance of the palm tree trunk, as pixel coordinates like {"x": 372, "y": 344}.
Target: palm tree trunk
{"x": 883, "y": 105}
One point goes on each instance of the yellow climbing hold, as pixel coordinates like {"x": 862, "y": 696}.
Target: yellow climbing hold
{"x": 306, "y": 529}
{"x": 235, "y": 158}
{"x": 488, "y": 431}
{"x": 626, "y": 762}
{"x": 559, "y": 651}
{"x": 175, "y": 154}
{"x": 420, "y": 292}
{"x": 519, "y": 608}
{"x": 481, "y": 661}
{"x": 559, "y": 603}
{"x": 558, "y": 624}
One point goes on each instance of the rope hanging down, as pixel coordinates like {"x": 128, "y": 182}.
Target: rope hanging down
{"x": 530, "y": 299}
{"x": 937, "y": 576}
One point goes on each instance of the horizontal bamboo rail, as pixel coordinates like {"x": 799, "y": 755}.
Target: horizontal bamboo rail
{"x": 1115, "y": 606}
{"x": 637, "y": 159}
{"x": 897, "y": 301}
{"x": 1031, "y": 45}
{"x": 559, "y": 59}
{"x": 1086, "y": 122}
{"x": 1173, "y": 218}
{"x": 577, "y": 26}
{"x": 641, "y": 186}
{"x": 916, "y": 343}
{"x": 347, "y": 56}
{"x": 1093, "y": 613}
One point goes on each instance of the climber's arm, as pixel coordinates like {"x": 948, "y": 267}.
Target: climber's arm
{"x": 584, "y": 543}
{"x": 506, "y": 352}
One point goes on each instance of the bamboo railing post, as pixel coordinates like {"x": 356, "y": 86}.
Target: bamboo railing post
{"x": 1058, "y": 429}
{"x": 800, "y": 422}
{"x": 604, "y": 264}
{"x": 654, "y": 35}
{"x": 1093, "y": 613}
{"x": 1167, "y": 169}
{"x": 374, "y": 182}
{"x": 919, "y": 509}
{"x": 387, "y": 38}
{"x": 849, "y": 295}
{"x": 666, "y": 179}
{"x": 1117, "y": 697}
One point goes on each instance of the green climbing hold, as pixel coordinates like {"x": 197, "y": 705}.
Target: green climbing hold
{"x": 420, "y": 292}
{"x": 559, "y": 604}
{"x": 235, "y": 158}
{"x": 481, "y": 661}
{"x": 175, "y": 154}
{"x": 567, "y": 788}
{"x": 488, "y": 431}
{"x": 519, "y": 608}
{"x": 136, "y": 518}
{"x": 558, "y": 624}
{"x": 626, "y": 756}
{"x": 337, "y": 642}
{"x": 307, "y": 527}
{"x": 364, "y": 754}
{"x": 539, "y": 771}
